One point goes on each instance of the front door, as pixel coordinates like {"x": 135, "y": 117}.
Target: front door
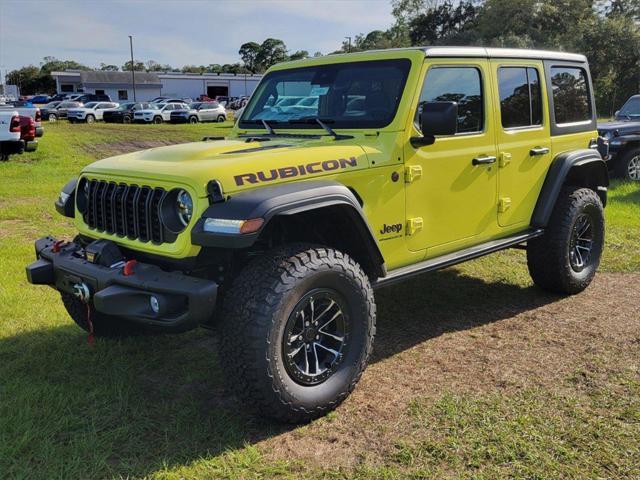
{"x": 523, "y": 139}
{"x": 452, "y": 184}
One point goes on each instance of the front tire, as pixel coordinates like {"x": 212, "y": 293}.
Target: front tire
{"x": 297, "y": 331}
{"x": 53, "y": 117}
{"x": 565, "y": 259}
{"x": 126, "y": 119}
{"x": 628, "y": 167}
{"x": 157, "y": 120}
{"x": 193, "y": 120}
{"x": 90, "y": 119}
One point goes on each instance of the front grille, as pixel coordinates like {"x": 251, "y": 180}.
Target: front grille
{"x": 125, "y": 210}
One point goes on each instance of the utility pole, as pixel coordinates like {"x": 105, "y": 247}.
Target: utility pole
{"x": 349, "y": 38}
{"x": 133, "y": 72}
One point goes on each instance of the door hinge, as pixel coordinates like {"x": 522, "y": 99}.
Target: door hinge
{"x": 503, "y": 204}
{"x": 412, "y": 173}
{"x": 505, "y": 159}
{"x": 414, "y": 225}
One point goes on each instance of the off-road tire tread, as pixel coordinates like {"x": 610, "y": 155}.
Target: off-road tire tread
{"x": 545, "y": 255}
{"x": 249, "y": 309}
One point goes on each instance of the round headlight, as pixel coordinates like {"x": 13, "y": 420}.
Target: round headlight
{"x": 184, "y": 205}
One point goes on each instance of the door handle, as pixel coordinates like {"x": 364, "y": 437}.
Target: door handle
{"x": 483, "y": 160}
{"x": 538, "y": 151}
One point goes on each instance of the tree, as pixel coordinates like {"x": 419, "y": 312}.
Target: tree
{"x": 137, "y": 66}
{"x": 272, "y": 51}
{"x": 249, "y": 53}
{"x": 443, "y": 24}
{"x": 299, "y": 55}
{"x": 108, "y": 68}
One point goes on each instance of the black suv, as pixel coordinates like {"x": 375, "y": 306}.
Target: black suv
{"x": 623, "y": 135}
{"x": 124, "y": 113}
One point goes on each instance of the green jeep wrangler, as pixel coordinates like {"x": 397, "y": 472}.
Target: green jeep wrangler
{"x": 344, "y": 174}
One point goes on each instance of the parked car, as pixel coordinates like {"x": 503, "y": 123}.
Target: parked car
{"x": 58, "y": 97}
{"x": 10, "y": 141}
{"x": 158, "y": 112}
{"x": 28, "y": 133}
{"x": 40, "y": 99}
{"x": 27, "y": 109}
{"x": 623, "y": 137}
{"x": 50, "y": 107}
{"x": 90, "y": 112}
{"x": 124, "y": 113}
{"x": 61, "y": 110}
{"x": 200, "y": 112}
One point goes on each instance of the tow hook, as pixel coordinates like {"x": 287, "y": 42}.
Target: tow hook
{"x": 82, "y": 292}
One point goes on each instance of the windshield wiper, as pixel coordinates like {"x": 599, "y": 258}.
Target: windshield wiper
{"x": 323, "y": 124}
{"x": 268, "y": 128}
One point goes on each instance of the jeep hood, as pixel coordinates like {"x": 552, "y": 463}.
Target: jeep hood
{"x": 236, "y": 164}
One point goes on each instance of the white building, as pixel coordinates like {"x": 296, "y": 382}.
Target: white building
{"x": 119, "y": 86}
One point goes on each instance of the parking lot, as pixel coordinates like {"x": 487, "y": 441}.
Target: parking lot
{"x": 501, "y": 363}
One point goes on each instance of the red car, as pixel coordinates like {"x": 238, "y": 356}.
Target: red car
{"x": 28, "y": 133}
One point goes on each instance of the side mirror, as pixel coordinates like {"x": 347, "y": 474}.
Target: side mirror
{"x": 616, "y": 114}
{"x": 436, "y": 118}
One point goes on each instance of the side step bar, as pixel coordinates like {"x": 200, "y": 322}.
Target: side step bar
{"x": 444, "y": 261}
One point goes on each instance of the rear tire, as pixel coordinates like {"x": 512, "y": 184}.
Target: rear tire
{"x": 221, "y": 118}
{"x": 280, "y": 364}
{"x": 628, "y": 167}
{"x": 565, "y": 259}
{"x": 103, "y": 325}
{"x": 126, "y": 119}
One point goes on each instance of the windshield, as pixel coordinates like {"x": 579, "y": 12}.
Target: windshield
{"x": 346, "y": 95}
{"x": 195, "y": 106}
{"x": 90, "y": 104}
{"x": 631, "y": 108}
{"x": 126, "y": 106}
{"x": 52, "y": 104}
{"x": 69, "y": 104}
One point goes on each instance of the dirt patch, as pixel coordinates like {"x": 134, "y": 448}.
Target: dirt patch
{"x": 105, "y": 150}
{"x": 476, "y": 338}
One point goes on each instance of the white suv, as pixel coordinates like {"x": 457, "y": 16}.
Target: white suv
{"x": 91, "y": 112}
{"x": 158, "y": 113}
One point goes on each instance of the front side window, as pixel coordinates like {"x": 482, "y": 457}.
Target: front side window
{"x": 571, "y": 100}
{"x": 520, "y": 100}
{"x": 344, "y": 95}
{"x": 456, "y": 84}
{"x": 123, "y": 95}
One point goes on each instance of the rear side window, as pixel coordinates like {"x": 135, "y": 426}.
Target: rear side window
{"x": 571, "y": 99}
{"x": 520, "y": 101}
{"x": 456, "y": 84}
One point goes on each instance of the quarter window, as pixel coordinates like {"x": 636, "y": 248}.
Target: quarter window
{"x": 571, "y": 100}
{"x": 456, "y": 84}
{"x": 520, "y": 101}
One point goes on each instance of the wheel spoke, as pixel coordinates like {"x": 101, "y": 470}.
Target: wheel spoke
{"x": 295, "y": 352}
{"x": 331, "y": 304}
{"x": 336, "y": 337}
{"x": 579, "y": 262}
{"x": 306, "y": 361}
{"x": 315, "y": 354}
{"x": 330, "y": 350}
{"x": 335, "y": 315}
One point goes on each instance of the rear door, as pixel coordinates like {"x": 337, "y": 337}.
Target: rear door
{"x": 523, "y": 138}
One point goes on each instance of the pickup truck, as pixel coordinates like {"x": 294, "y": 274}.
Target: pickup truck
{"x": 28, "y": 133}
{"x": 10, "y": 142}
{"x": 623, "y": 136}
{"x": 27, "y": 110}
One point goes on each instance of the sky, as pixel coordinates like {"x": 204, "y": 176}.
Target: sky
{"x": 176, "y": 32}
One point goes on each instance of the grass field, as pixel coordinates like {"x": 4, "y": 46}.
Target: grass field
{"x": 476, "y": 373}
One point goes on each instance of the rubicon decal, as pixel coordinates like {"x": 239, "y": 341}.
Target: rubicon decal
{"x": 295, "y": 171}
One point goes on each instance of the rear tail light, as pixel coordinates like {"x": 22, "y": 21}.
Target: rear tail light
{"x": 38, "y": 115}
{"x": 14, "y": 126}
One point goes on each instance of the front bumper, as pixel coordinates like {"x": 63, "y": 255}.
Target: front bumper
{"x": 183, "y": 301}
{"x": 179, "y": 119}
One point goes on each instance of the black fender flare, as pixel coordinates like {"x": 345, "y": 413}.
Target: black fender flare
{"x": 583, "y": 167}
{"x": 287, "y": 199}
